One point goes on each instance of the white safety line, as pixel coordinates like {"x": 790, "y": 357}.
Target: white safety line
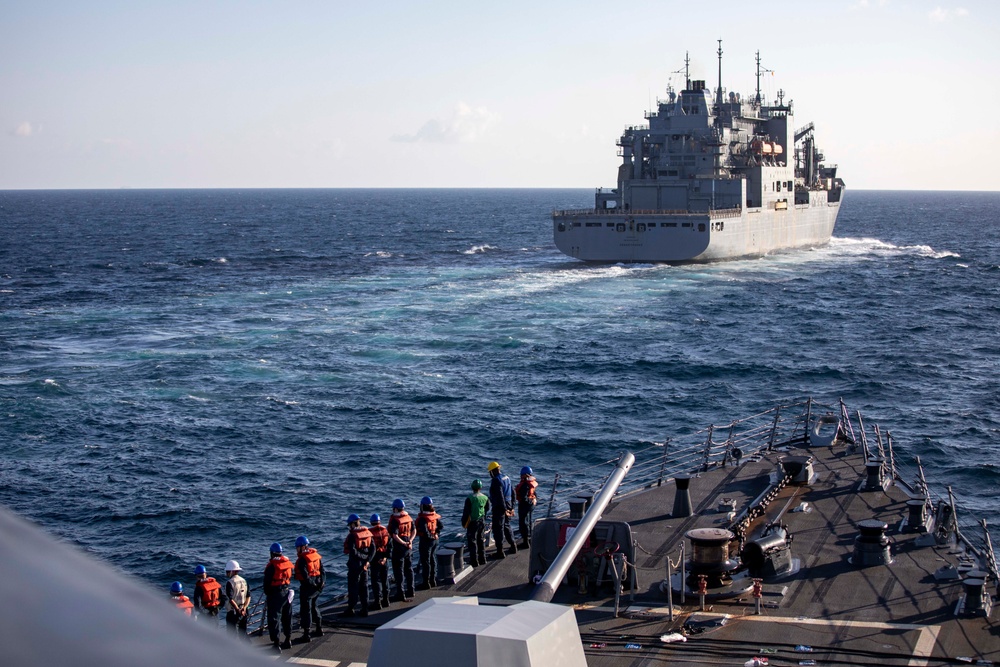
{"x": 925, "y": 646}
{"x": 922, "y": 650}
{"x": 316, "y": 661}
{"x": 875, "y": 625}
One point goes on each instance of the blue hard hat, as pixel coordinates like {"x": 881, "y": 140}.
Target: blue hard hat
{"x": 276, "y": 548}
{"x": 176, "y": 587}
{"x": 526, "y": 470}
{"x": 352, "y": 518}
{"x": 426, "y": 500}
{"x": 398, "y": 504}
{"x": 301, "y": 541}
{"x": 200, "y": 569}
{"x": 375, "y": 519}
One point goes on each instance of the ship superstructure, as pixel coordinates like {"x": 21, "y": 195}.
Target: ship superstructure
{"x": 711, "y": 176}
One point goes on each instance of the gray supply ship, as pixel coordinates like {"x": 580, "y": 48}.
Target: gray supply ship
{"x": 711, "y": 177}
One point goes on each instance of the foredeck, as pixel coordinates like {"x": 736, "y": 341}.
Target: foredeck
{"x": 897, "y": 614}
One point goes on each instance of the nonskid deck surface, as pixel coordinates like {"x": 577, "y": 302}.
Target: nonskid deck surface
{"x": 897, "y": 614}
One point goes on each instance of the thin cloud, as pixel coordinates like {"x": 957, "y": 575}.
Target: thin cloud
{"x": 465, "y": 125}
{"x": 25, "y": 129}
{"x": 942, "y": 14}
{"x": 868, "y": 4}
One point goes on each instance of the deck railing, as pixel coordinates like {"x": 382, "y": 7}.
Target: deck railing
{"x": 714, "y": 446}
{"x": 716, "y": 212}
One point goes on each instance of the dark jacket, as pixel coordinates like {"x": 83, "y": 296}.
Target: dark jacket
{"x": 501, "y": 495}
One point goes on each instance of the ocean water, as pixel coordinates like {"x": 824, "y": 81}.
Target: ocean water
{"x": 188, "y": 376}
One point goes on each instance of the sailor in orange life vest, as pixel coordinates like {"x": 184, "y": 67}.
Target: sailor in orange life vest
{"x": 207, "y": 593}
{"x": 380, "y": 565}
{"x": 359, "y": 550}
{"x": 277, "y": 589}
{"x": 428, "y": 530}
{"x": 178, "y": 598}
{"x": 525, "y": 492}
{"x": 309, "y": 571}
{"x": 239, "y": 600}
{"x": 502, "y": 500}
{"x": 401, "y": 539}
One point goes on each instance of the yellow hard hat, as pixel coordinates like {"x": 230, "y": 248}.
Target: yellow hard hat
{"x": 492, "y": 466}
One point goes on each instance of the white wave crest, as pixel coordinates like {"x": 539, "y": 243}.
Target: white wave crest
{"x": 381, "y": 254}
{"x": 280, "y": 401}
{"x": 879, "y": 248}
{"x": 478, "y": 249}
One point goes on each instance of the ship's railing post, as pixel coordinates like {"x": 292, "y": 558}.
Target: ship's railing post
{"x": 727, "y": 455}
{"x": 845, "y": 419}
{"x": 954, "y": 515}
{"x": 864, "y": 438}
{"x": 683, "y": 576}
{"x": 774, "y": 429}
{"x": 663, "y": 463}
{"x": 809, "y": 407}
{"x": 878, "y": 441}
{"x": 991, "y": 558}
{"x": 552, "y": 496}
{"x": 670, "y": 589}
{"x": 892, "y": 458}
{"x": 708, "y": 449}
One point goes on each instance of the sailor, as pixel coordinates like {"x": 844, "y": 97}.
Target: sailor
{"x": 311, "y": 576}
{"x": 182, "y": 601}
{"x": 379, "y": 572}
{"x": 359, "y": 550}
{"x": 401, "y": 539}
{"x": 428, "y": 530}
{"x": 474, "y": 522}
{"x": 502, "y": 500}
{"x": 277, "y": 589}
{"x": 238, "y": 594}
{"x": 207, "y": 593}
{"x": 525, "y": 492}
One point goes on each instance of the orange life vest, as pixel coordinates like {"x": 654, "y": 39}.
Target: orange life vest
{"x": 281, "y": 574}
{"x": 210, "y": 596}
{"x": 380, "y": 538}
{"x": 429, "y": 526}
{"x": 311, "y": 563}
{"x": 362, "y": 538}
{"x": 184, "y": 604}
{"x": 526, "y": 490}
{"x": 403, "y": 525}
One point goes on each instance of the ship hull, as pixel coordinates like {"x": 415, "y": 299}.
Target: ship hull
{"x": 681, "y": 237}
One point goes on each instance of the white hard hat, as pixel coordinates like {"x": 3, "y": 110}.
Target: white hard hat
{"x": 233, "y": 566}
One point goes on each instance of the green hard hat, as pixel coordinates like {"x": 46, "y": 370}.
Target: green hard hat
{"x": 476, "y": 484}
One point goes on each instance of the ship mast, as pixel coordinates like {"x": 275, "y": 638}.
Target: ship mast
{"x": 759, "y": 71}
{"x": 718, "y": 92}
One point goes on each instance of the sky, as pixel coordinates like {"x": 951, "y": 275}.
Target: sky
{"x": 316, "y": 94}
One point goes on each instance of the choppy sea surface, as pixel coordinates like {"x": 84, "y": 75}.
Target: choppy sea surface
{"x": 188, "y": 376}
